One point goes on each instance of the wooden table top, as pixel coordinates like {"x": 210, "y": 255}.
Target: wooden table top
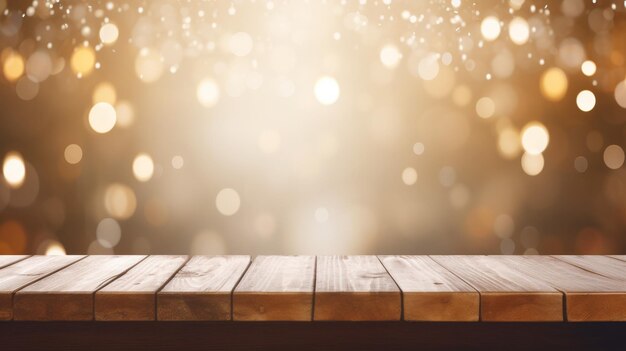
{"x": 320, "y": 288}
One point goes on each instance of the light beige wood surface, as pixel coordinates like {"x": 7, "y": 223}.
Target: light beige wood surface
{"x": 25, "y": 272}
{"x": 588, "y": 296}
{"x": 202, "y": 289}
{"x": 355, "y": 288}
{"x": 69, "y": 293}
{"x": 132, "y": 296}
{"x": 603, "y": 265}
{"x": 6, "y": 260}
{"x": 505, "y": 293}
{"x": 430, "y": 292}
{"x": 276, "y": 288}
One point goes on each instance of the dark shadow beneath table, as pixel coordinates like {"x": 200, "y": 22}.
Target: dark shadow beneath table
{"x": 310, "y": 336}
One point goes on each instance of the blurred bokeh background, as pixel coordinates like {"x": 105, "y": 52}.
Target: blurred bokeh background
{"x": 290, "y": 127}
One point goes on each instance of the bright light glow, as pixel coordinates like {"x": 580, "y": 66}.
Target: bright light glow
{"x": 613, "y": 156}
{"x": 208, "y": 92}
{"x": 409, "y": 176}
{"x": 143, "y": 167}
{"x": 490, "y": 28}
{"x": 13, "y": 66}
{"x": 518, "y": 31}
{"x": 428, "y": 68}
{"x": 14, "y": 169}
{"x": 227, "y": 202}
{"x": 485, "y": 107}
{"x": 149, "y": 65}
{"x": 177, "y": 162}
{"x": 390, "y": 56}
{"x": 73, "y": 154}
{"x": 83, "y": 60}
{"x": 55, "y": 248}
{"x": 554, "y": 84}
{"x": 102, "y": 117}
{"x": 120, "y": 201}
{"x": 108, "y": 233}
{"x": 535, "y": 138}
{"x": 240, "y": 44}
{"x": 326, "y": 90}
{"x": 588, "y": 68}
{"x": 532, "y": 164}
{"x": 109, "y": 33}
{"x": 586, "y": 101}
{"x": 104, "y": 92}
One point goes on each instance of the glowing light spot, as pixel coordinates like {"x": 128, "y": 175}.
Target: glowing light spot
{"x": 73, "y": 154}
{"x": 409, "y": 176}
{"x": 102, "y": 117}
{"x": 614, "y": 156}
{"x": 104, "y": 92}
{"x": 581, "y": 164}
{"x": 269, "y": 141}
{"x": 518, "y": 30}
{"x": 13, "y": 169}
{"x": 108, "y": 233}
{"x": 125, "y": 113}
{"x": 143, "y": 167}
{"x": 535, "y": 138}
{"x": 13, "y": 66}
{"x": 532, "y": 164}
{"x": 554, "y": 84}
{"x": 109, "y": 33}
{"x": 327, "y": 90}
{"x": 240, "y": 44}
{"x": 120, "y": 201}
{"x": 83, "y": 60}
{"x": 509, "y": 144}
{"x": 322, "y": 214}
{"x": 588, "y": 68}
{"x": 208, "y": 92}
{"x": 428, "y": 67}
{"x": 177, "y": 162}
{"x": 228, "y": 202}
{"x": 620, "y": 94}
{"x": 586, "y": 101}
{"x": 418, "y": 148}
{"x": 390, "y": 56}
{"x": 149, "y": 65}
{"x": 55, "y": 248}
{"x": 485, "y": 107}
{"x": 490, "y": 28}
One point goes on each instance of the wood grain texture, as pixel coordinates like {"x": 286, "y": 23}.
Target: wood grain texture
{"x": 506, "y": 294}
{"x": 202, "y": 289}
{"x": 276, "y": 288}
{"x": 603, "y": 265}
{"x": 22, "y": 273}
{"x": 69, "y": 293}
{"x": 6, "y": 260}
{"x": 619, "y": 257}
{"x": 431, "y": 292}
{"x": 132, "y": 297}
{"x": 355, "y": 288}
{"x": 588, "y": 296}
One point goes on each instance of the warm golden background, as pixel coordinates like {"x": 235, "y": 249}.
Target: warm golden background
{"x": 312, "y": 126}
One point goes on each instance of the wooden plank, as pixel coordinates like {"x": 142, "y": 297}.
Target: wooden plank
{"x": 603, "y": 265}
{"x": 505, "y": 293}
{"x": 22, "y": 273}
{"x": 69, "y": 293}
{"x": 355, "y": 288}
{"x": 431, "y": 292}
{"x": 619, "y": 257}
{"x": 588, "y": 296}
{"x": 132, "y": 297}
{"x": 202, "y": 289}
{"x": 276, "y": 288}
{"x": 6, "y": 260}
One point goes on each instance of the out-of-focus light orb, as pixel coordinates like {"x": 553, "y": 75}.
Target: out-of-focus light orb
{"x": 409, "y": 176}
{"x": 120, "y": 201}
{"x": 485, "y": 107}
{"x": 55, "y": 248}
{"x": 509, "y": 144}
{"x": 613, "y": 156}
{"x": 535, "y": 138}
{"x": 108, "y": 233}
{"x": 26, "y": 88}
{"x": 418, "y": 148}
{"x": 227, "y": 201}
{"x": 143, "y": 167}
{"x": 490, "y": 28}
{"x": 455, "y": 3}
{"x": 208, "y": 92}
{"x": 532, "y": 164}
{"x": 620, "y": 94}
{"x": 326, "y": 90}
{"x": 519, "y": 31}
{"x": 13, "y": 66}
{"x": 461, "y": 95}
{"x": 39, "y": 66}
{"x": 177, "y": 162}
{"x": 102, "y": 117}
{"x": 269, "y": 141}
{"x": 322, "y": 214}
{"x": 390, "y": 56}
{"x": 104, "y": 92}
{"x": 588, "y": 68}
{"x": 109, "y": 33}
{"x": 240, "y": 44}
{"x": 428, "y": 67}
{"x": 572, "y": 8}
{"x": 586, "y": 101}
{"x": 125, "y": 113}
{"x": 581, "y": 164}
{"x": 554, "y": 84}
{"x": 73, "y": 154}
{"x": 83, "y": 60}
{"x": 516, "y": 4}
{"x": 14, "y": 169}
{"x": 148, "y": 65}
